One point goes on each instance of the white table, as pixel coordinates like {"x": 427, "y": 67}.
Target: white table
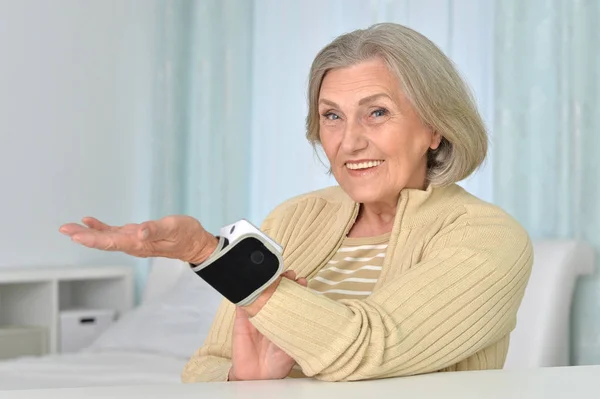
{"x": 549, "y": 383}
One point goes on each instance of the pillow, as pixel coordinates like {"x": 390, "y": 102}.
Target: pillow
{"x": 164, "y": 273}
{"x": 174, "y": 323}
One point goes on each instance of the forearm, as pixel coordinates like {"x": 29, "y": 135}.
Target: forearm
{"x": 436, "y": 315}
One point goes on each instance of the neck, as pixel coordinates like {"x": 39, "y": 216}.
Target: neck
{"x": 379, "y": 213}
{"x": 377, "y": 218}
{"x": 374, "y": 219}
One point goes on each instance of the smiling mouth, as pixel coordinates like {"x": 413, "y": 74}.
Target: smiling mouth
{"x": 363, "y": 165}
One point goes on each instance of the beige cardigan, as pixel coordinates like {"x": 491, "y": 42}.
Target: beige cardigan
{"x": 452, "y": 280}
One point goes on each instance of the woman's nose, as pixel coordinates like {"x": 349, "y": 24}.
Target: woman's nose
{"x": 354, "y": 138}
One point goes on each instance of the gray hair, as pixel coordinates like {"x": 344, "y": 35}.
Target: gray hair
{"x": 431, "y": 83}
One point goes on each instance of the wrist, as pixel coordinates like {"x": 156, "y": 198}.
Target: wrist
{"x": 208, "y": 245}
{"x": 256, "y": 306}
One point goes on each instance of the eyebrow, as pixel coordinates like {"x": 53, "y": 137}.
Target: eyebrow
{"x": 363, "y": 101}
{"x": 372, "y": 98}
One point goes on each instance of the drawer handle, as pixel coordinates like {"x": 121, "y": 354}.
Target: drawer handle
{"x": 88, "y": 320}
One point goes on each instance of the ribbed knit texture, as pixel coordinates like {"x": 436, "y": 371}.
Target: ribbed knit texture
{"x": 453, "y": 278}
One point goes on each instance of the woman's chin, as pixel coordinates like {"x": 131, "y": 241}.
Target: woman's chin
{"x": 364, "y": 194}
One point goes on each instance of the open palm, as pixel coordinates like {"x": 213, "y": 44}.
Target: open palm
{"x": 178, "y": 236}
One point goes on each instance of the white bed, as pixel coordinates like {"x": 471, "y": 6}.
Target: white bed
{"x": 149, "y": 345}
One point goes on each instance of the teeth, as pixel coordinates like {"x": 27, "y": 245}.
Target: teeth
{"x": 363, "y": 165}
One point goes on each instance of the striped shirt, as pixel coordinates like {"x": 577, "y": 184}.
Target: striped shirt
{"x": 354, "y": 270}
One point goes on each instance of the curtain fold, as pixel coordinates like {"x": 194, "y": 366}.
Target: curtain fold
{"x": 170, "y": 115}
{"x": 547, "y": 132}
{"x": 201, "y": 120}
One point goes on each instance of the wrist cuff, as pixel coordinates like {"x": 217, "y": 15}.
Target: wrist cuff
{"x": 243, "y": 269}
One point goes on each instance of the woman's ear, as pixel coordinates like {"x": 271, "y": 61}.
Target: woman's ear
{"x": 436, "y": 139}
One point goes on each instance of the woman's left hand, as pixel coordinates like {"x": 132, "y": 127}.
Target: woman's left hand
{"x": 254, "y": 356}
{"x": 177, "y": 237}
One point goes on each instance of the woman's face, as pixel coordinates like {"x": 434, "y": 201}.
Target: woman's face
{"x": 374, "y": 140}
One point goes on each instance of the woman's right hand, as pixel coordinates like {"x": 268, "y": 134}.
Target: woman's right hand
{"x": 254, "y": 356}
{"x": 178, "y": 237}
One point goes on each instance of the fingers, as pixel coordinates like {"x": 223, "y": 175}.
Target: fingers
{"x": 302, "y": 281}
{"x": 290, "y": 274}
{"x": 90, "y": 235}
{"x": 89, "y": 222}
{"x": 70, "y": 229}
{"x": 130, "y": 237}
{"x": 141, "y": 240}
{"x": 94, "y": 223}
{"x": 113, "y": 239}
{"x": 97, "y": 240}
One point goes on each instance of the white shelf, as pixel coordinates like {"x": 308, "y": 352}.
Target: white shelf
{"x": 36, "y": 296}
{"x": 33, "y": 274}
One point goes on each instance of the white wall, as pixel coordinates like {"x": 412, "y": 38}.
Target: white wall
{"x": 287, "y": 36}
{"x": 75, "y": 88}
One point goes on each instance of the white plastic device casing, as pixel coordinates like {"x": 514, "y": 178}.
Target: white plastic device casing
{"x": 235, "y": 231}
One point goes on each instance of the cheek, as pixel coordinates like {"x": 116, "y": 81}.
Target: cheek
{"x": 330, "y": 143}
{"x": 406, "y": 150}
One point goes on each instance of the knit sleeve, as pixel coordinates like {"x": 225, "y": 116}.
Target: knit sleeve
{"x": 460, "y": 298}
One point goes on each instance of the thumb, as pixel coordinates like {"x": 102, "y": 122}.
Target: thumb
{"x": 152, "y": 231}
{"x": 95, "y": 224}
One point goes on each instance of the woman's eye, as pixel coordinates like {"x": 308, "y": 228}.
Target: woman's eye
{"x": 379, "y": 112}
{"x": 331, "y": 116}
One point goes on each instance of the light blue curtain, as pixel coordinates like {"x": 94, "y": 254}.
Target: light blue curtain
{"x": 194, "y": 158}
{"x": 201, "y": 131}
{"x": 547, "y": 133}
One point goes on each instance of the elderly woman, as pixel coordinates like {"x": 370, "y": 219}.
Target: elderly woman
{"x": 398, "y": 271}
